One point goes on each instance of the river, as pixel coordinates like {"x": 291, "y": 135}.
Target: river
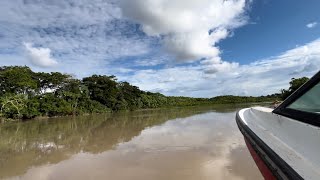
{"x": 178, "y": 143}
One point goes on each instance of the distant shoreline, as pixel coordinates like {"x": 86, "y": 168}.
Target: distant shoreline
{"x": 25, "y": 94}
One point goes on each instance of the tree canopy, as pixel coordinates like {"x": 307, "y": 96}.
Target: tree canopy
{"x": 295, "y": 84}
{"x": 26, "y": 94}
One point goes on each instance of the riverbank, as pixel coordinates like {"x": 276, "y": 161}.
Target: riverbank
{"x": 215, "y": 106}
{"x": 25, "y": 94}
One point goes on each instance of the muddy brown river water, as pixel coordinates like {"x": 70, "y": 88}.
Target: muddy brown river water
{"x": 179, "y": 143}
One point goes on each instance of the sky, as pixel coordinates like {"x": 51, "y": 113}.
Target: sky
{"x": 197, "y": 48}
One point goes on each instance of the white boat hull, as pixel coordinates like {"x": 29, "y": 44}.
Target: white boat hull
{"x": 289, "y": 148}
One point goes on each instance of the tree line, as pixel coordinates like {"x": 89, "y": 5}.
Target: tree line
{"x": 25, "y": 94}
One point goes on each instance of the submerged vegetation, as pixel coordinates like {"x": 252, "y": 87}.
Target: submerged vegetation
{"x": 25, "y": 94}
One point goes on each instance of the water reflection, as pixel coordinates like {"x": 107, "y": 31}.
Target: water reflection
{"x": 197, "y": 143}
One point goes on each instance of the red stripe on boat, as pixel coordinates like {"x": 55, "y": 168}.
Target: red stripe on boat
{"x": 265, "y": 171}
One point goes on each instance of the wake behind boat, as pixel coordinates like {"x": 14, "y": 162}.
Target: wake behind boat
{"x": 285, "y": 142}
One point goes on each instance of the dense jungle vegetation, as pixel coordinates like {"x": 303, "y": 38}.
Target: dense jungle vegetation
{"x": 25, "y": 94}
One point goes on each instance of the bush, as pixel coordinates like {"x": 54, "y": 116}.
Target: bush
{"x": 54, "y": 106}
{"x": 32, "y": 109}
{"x": 91, "y": 106}
{"x": 12, "y": 106}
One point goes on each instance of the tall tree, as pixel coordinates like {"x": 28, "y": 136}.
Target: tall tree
{"x": 102, "y": 89}
{"x": 129, "y": 94}
{"x": 295, "y": 84}
{"x": 16, "y": 80}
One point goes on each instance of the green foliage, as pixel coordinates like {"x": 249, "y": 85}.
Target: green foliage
{"x": 51, "y": 105}
{"x": 27, "y": 94}
{"x": 129, "y": 97}
{"x": 54, "y": 80}
{"x": 91, "y": 106}
{"x": 12, "y": 106}
{"x": 16, "y": 80}
{"x": 102, "y": 89}
{"x": 240, "y": 99}
{"x": 295, "y": 84}
{"x": 31, "y": 109}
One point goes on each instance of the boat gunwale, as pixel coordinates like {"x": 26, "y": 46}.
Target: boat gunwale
{"x": 279, "y": 168}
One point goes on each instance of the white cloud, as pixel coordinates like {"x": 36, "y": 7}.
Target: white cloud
{"x": 185, "y": 24}
{"x": 215, "y": 65}
{"x": 312, "y": 25}
{"x": 91, "y": 36}
{"x": 86, "y": 35}
{"x": 40, "y": 56}
{"x": 56, "y": 13}
{"x": 261, "y": 77}
{"x": 154, "y": 60}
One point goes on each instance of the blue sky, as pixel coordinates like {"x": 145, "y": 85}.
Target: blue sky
{"x": 199, "y": 48}
{"x": 275, "y": 27}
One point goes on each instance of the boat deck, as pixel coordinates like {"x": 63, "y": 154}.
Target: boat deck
{"x": 285, "y": 137}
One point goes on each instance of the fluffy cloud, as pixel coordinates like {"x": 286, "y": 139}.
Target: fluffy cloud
{"x": 190, "y": 29}
{"x": 40, "y": 56}
{"x": 312, "y": 25}
{"x": 86, "y": 34}
{"x": 92, "y": 36}
{"x": 261, "y": 77}
{"x": 215, "y": 65}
